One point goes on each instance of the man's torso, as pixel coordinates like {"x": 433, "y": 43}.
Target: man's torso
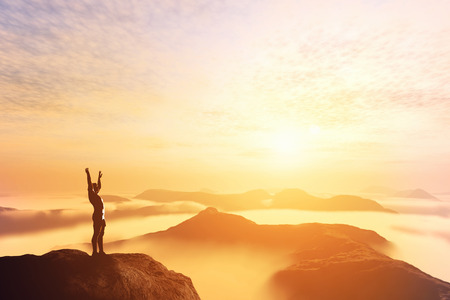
{"x": 97, "y": 203}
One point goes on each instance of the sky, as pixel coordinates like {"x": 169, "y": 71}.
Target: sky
{"x": 225, "y": 95}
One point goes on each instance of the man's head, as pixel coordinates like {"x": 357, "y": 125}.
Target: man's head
{"x": 95, "y": 188}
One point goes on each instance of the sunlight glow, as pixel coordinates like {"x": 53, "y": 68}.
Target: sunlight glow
{"x": 314, "y": 129}
{"x": 286, "y": 142}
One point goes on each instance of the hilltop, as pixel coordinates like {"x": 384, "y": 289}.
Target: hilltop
{"x": 224, "y": 229}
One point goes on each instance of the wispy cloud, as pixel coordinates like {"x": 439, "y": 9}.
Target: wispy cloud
{"x": 222, "y": 73}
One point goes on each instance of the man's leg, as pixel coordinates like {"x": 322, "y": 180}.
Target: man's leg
{"x": 94, "y": 240}
{"x": 100, "y": 237}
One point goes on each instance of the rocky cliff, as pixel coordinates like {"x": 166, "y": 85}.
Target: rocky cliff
{"x": 73, "y": 274}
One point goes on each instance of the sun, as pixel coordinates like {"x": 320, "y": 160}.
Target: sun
{"x": 285, "y": 142}
{"x": 314, "y": 129}
{"x": 291, "y": 142}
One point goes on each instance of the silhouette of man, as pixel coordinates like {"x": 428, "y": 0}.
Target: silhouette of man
{"x": 98, "y": 217}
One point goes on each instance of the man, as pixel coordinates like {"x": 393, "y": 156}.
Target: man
{"x": 98, "y": 217}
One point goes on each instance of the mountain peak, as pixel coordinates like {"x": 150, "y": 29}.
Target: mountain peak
{"x": 211, "y": 217}
{"x": 209, "y": 211}
{"x": 212, "y": 224}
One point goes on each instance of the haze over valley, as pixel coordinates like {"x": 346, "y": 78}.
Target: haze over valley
{"x": 415, "y": 233}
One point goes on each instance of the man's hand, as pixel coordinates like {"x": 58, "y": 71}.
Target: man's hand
{"x": 100, "y": 174}
{"x": 87, "y": 170}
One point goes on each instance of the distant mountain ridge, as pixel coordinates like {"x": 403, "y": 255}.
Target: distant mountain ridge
{"x": 411, "y": 193}
{"x": 416, "y": 193}
{"x": 7, "y": 209}
{"x": 260, "y": 199}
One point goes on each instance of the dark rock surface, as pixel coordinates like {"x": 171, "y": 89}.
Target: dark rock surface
{"x": 73, "y": 274}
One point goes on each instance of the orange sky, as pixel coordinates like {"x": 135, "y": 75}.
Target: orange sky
{"x": 229, "y": 95}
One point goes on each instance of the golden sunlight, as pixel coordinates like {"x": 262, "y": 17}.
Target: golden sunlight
{"x": 314, "y": 129}
{"x": 286, "y": 142}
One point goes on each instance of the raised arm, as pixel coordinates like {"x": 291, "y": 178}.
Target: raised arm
{"x": 99, "y": 183}
{"x": 88, "y": 179}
